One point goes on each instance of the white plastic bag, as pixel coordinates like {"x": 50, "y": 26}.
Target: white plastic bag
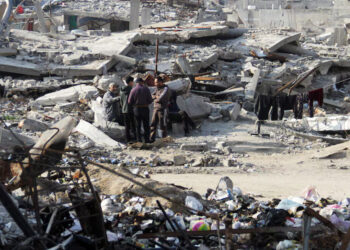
{"x": 193, "y": 203}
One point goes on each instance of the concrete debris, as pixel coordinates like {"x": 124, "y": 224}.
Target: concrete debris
{"x": 33, "y": 125}
{"x": 194, "y": 105}
{"x": 255, "y": 88}
{"x": 97, "y": 136}
{"x": 194, "y": 147}
{"x": 180, "y": 86}
{"x": 72, "y": 94}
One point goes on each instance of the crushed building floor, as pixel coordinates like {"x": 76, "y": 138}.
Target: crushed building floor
{"x": 264, "y": 167}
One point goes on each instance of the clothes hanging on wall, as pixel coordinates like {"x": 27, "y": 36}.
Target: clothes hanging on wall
{"x": 315, "y": 95}
{"x": 285, "y": 102}
{"x": 262, "y": 107}
{"x": 299, "y": 105}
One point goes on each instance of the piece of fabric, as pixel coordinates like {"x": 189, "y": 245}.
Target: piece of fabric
{"x": 299, "y": 107}
{"x": 262, "y": 107}
{"x": 124, "y": 96}
{"x": 315, "y": 95}
{"x": 158, "y": 117}
{"x": 130, "y": 126}
{"x": 140, "y": 96}
{"x": 285, "y": 102}
{"x": 142, "y": 118}
{"x": 112, "y": 106}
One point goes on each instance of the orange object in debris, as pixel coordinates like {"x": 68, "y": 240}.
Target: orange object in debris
{"x": 77, "y": 174}
{"x": 19, "y": 9}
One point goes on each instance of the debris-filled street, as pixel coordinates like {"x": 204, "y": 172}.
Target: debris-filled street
{"x": 174, "y": 124}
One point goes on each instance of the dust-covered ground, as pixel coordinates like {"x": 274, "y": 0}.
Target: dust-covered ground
{"x": 278, "y": 166}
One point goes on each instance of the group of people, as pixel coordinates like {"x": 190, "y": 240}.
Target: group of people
{"x": 130, "y": 108}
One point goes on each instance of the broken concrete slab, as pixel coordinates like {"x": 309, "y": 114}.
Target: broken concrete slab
{"x": 250, "y": 88}
{"x": 31, "y": 36}
{"x": 97, "y": 136}
{"x": 163, "y": 66}
{"x": 10, "y": 65}
{"x": 329, "y": 123}
{"x": 116, "y": 44}
{"x": 215, "y": 117}
{"x": 194, "y": 147}
{"x": 94, "y": 68}
{"x": 277, "y": 42}
{"x": 235, "y": 111}
{"x": 180, "y": 86}
{"x": 33, "y": 125}
{"x": 184, "y": 65}
{"x": 232, "y": 33}
{"x": 8, "y": 141}
{"x": 185, "y": 33}
{"x": 72, "y": 59}
{"x": 102, "y": 82}
{"x": 126, "y": 59}
{"x": 330, "y": 151}
{"x": 293, "y": 49}
{"x": 179, "y": 160}
{"x": 71, "y": 94}
{"x": 159, "y": 25}
{"x": 195, "y": 106}
{"x": 36, "y": 163}
{"x": 204, "y": 63}
{"x": 8, "y": 52}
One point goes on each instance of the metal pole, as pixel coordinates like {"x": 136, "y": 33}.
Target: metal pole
{"x": 157, "y": 52}
{"x": 11, "y": 208}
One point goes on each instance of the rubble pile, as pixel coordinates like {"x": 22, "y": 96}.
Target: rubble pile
{"x": 69, "y": 179}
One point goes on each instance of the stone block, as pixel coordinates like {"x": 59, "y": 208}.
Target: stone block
{"x": 195, "y": 147}
{"x": 97, "y": 136}
{"x": 181, "y": 85}
{"x": 33, "y": 125}
{"x": 235, "y": 111}
{"x": 195, "y": 106}
{"x": 71, "y": 94}
{"x": 179, "y": 160}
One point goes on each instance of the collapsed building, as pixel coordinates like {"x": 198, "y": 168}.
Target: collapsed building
{"x": 69, "y": 179}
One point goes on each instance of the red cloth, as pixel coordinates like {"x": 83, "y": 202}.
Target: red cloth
{"x": 316, "y": 95}
{"x": 19, "y": 9}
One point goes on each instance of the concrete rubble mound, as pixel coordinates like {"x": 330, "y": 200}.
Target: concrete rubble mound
{"x": 255, "y": 155}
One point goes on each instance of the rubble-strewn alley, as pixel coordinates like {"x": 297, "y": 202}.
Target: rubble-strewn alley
{"x": 174, "y": 124}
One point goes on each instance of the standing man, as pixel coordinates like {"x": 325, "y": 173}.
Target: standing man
{"x": 140, "y": 97}
{"x": 111, "y": 103}
{"x": 127, "y": 110}
{"x": 161, "y": 101}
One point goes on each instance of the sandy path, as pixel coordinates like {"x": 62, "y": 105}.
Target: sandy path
{"x": 282, "y": 174}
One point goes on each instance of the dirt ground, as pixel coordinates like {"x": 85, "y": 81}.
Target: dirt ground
{"x": 280, "y": 166}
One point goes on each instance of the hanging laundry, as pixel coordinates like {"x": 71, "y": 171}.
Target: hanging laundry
{"x": 262, "y": 107}
{"x": 285, "y": 103}
{"x": 274, "y": 109}
{"x": 315, "y": 95}
{"x": 299, "y": 106}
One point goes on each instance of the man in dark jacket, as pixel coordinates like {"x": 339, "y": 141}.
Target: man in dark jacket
{"x": 140, "y": 97}
{"x": 111, "y": 103}
{"x": 161, "y": 101}
{"x": 127, "y": 110}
